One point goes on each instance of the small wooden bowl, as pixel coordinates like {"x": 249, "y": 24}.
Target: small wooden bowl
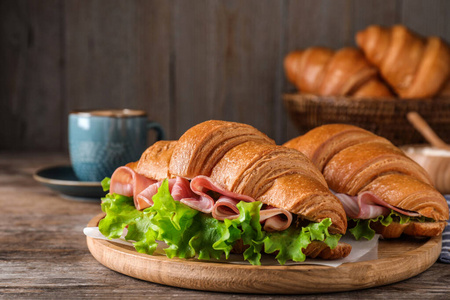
{"x": 435, "y": 161}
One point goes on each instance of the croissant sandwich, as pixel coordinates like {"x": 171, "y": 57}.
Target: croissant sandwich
{"x": 322, "y": 71}
{"x": 381, "y": 189}
{"x": 225, "y": 187}
{"x": 414, "y": 66}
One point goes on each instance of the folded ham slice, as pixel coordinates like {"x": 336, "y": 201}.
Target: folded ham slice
{"x": 200, "y": 185}
{"x": 368, "y": 206}
{"x": 274, "y": 219}
{"x": 125, "y": 181}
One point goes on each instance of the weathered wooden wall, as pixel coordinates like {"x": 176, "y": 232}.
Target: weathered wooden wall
{"x": 182, "y": 61}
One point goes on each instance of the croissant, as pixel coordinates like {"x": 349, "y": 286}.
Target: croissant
{"x": 278, "y": 177}
{"x": 415, "y": 67}
{"x": 324, "y": 72}
{"x": 245, "y": 161}
{"x": 356, "y": 162}
{"x": 199, "y": 149}
{"x": 241, "y": 160}
{"x": 154, "y": 162}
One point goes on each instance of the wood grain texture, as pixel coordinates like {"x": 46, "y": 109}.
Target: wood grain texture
{"x": 153, "y": 55}
{"x": 100, "y": 44}
{"x": 30, "y": 72}
{"x": 182, "y": 61}
{"x": 43, "y": 252}
{"x": 415, "y": 14}
{"x": 398, "y": 260}
{"x": 368, "y": 12}
{"x": 117, "y": 56}
{"x": 226, "y": 58}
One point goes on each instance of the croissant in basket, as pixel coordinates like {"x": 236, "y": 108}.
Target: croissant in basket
{"x": 324, "y": 72}
{"x": 381, "y": 188}
{"x": 415, "y": 67}
{"x": 225, "y": 187}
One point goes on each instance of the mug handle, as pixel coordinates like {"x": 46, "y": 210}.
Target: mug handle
{"x": 158, "y": 128}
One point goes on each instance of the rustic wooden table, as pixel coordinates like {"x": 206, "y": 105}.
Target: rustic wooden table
{"x": 43, "y": 252}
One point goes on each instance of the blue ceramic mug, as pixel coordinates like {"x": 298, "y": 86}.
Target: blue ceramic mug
{"x": 102, "y": 140}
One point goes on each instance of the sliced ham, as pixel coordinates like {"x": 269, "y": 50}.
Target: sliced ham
{"x": 125, "y": 181}
{"x": 178, "y": 188}
{"x": 368, "y": 206}
{"x": 225, "y": 208}
{"x": 144, "y": 198}
{"x": 181, "y": 189}
{"x": 274, "y": 219}
{"x": 200, "y": 185}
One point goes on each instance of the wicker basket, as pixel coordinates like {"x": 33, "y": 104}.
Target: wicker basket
{"x": 385, "y": 117}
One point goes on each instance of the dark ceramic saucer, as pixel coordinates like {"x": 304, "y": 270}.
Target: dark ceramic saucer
{"x": 62, "y": 179}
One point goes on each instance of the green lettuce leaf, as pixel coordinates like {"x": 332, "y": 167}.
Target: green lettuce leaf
{"x": 189, "y": 233}
{"x": 120, "y": 212}
{"x": 362, "y": 228}
{"x": 106, "y": 183}
{"x": 288, "y": 242}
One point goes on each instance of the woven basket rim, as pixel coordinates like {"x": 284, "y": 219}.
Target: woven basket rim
{"x": 353, "y": 100}
{"x": 385, "y": 117}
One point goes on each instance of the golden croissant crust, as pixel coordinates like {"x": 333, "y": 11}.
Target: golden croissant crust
{"x": 354, "y": 160}
{"x": 415, "y": 67}
{"x": 319, "y": 249}
{"x": 245, "y": 161}
{"x": 200, "y": 148}
{"x": 322, "y": 71}
{"x": 409, "y": 193}
{"x": 395, "y": 230}
{"x": 154, "y": 162}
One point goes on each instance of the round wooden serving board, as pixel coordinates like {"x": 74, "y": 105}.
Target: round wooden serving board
{"x": 398, "y": 260}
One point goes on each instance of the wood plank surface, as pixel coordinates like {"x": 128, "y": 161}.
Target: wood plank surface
{"x": 154, "y": 27}
{"x": 417, "y": 14}
{"x": 181, "y": 61}
{"x": 43, "y": 251}
{"x": 30, "y": 75}
{"x": 226, "y": 58}
{"x": 118, "y": 55}
{"x": 368, "y": 12}
{"x": 100, "y": 44}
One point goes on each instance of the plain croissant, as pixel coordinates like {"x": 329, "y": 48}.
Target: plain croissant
{"x": 354, "y": 161}
{"x": 322, "y": 71}
{"x": 415, "y": 67}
